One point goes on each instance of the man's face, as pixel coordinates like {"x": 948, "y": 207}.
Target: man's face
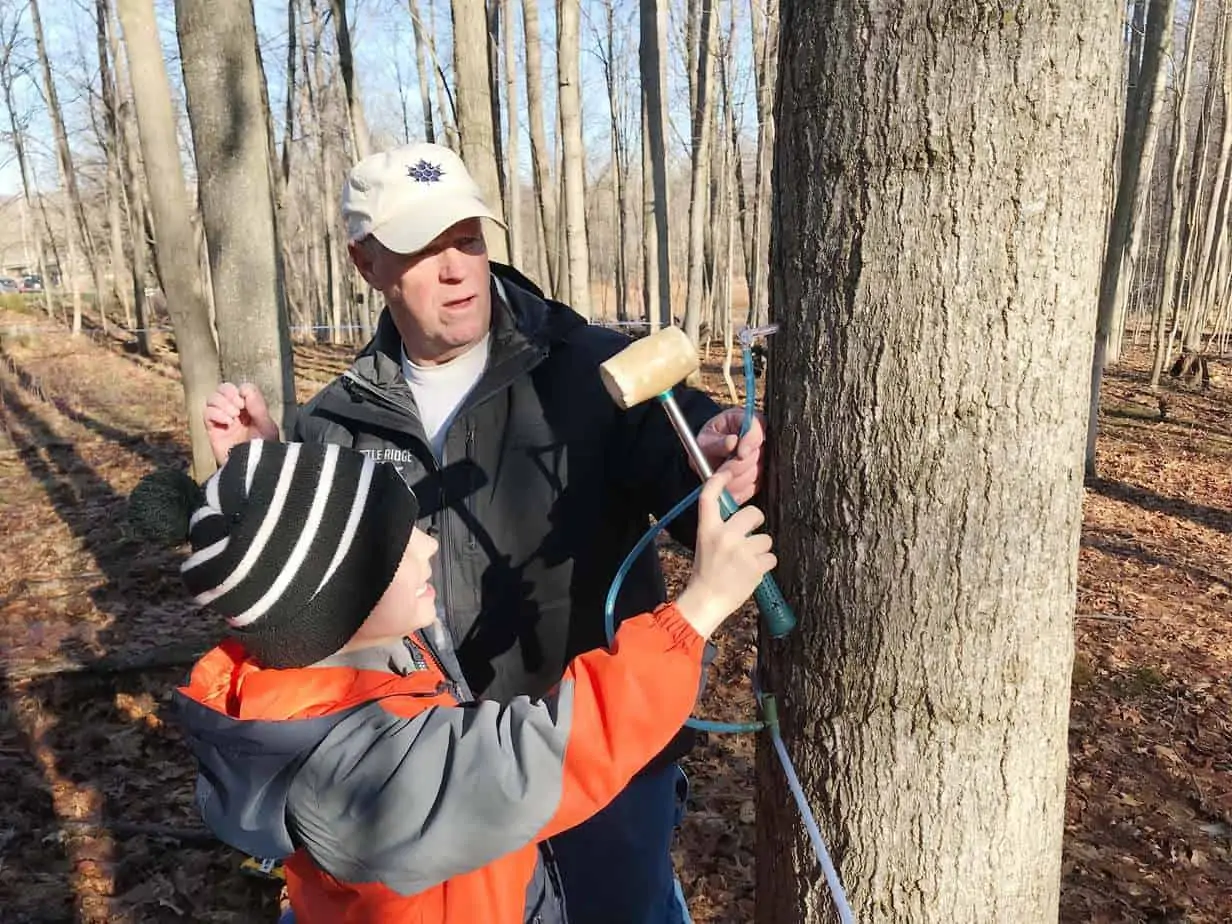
{"x": 440, "y": 297}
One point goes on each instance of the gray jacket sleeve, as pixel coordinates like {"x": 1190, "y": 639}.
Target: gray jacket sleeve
{"x": 412, "y": 802}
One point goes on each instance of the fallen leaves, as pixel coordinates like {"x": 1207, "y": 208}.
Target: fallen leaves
{"x": 100, "y": 825}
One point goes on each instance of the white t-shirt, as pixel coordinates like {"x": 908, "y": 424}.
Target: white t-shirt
{"x": 440, "y": 390}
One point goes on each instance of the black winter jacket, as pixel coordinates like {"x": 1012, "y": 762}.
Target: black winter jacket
{"x": 543, "y": 488}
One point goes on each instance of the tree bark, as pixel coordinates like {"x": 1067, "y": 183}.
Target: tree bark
{"x": 176, "y": 250}
{"x": 19, "y": 150}
{"x": 119, "y": 263}
{"x": 131, "y": 175}
{"x": 619, "y": 183}
{"x": 1214, "y": 223}
{"x": 1139, "y": 130}
{"x": 541, "y": 174}
{"x": 494, "y": 91}
{"x": 1152, "y": 84}
{"x": 218, "y": 54}
{"x": 702, "y": 131}
{"x": 474, "y": 102}
{"x": 330, "y": 295}
{"x": 513, "y": 147}
{"x": 360, "y": 142}
{"x": 653, "y": 68}
{"x": 133, "y": 198}
{"x": 573, "y": 151}
{"x": 766, "y": 67}
{"x": 69, "y": 174}
{"x": 1172, "y": 241}
{"x": 421, "y": 69}
{"x": 929, "y": 406}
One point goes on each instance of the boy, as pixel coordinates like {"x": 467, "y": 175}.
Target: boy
{"x": 330, "y": 731}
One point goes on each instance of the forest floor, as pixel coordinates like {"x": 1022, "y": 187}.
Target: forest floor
{"x": 98, "y": 821}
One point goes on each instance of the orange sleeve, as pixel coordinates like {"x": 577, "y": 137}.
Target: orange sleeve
{"x": 626, "y": 705}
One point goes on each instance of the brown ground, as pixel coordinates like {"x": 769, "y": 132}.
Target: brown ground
{"x": 98, "y": 823}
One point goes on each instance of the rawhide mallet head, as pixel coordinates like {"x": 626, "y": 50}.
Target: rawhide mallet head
{"x": 649, "y": 367}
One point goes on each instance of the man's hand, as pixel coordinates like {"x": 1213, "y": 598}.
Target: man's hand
{"x": 237, "y": 415}
{"x": 720, "y": 442}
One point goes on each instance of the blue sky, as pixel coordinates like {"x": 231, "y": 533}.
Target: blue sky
{"x": 383, "y": 47}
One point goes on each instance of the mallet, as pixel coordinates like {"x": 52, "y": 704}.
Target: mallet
{"x": 651, "y": 368}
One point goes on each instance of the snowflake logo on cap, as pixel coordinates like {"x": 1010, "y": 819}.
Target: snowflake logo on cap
{"x": 424, "y": 172}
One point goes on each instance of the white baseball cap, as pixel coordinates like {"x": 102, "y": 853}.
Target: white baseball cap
{"x": 406, "y": 196}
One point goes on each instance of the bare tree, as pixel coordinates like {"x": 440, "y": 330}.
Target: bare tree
{"x": 9, "y": 35}
{"x": 1135, "y": 146}
{"x": 698, "y": 205}
{"x": 541, "y": 175}
{"x": 130, "y": 163}
{"x": 65, "y": 159}
{"x": 324, "y": 244}
{"x": 355, "y": 113}
{"x": 1200, "y": 291}
{"x": 573, "y": 152}
{"x": 934, "y": 517}
{"x": 612, "y": 78}
{"x": 513, "y": 184}
{"x": 176, "y": 250}
{"x": 111, "y": 144}
{"x": 231, "y": 144}
{"x": 1149, "y": 77}
{"x": 1169, "y": 289}
{"x": 652, "y": 65}
{"x": 421, "y": 70}
{"x": 765, "y": 17}
{"x": 474, "y": 102}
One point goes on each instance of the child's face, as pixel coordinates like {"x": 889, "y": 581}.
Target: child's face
{"x": 409, "y": 603}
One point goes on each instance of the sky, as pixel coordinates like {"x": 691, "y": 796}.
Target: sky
{"x": 384, "y": 60}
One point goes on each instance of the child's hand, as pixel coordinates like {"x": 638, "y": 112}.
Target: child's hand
{"x": 728, "y": 562}
{"x": 237, "y": 415}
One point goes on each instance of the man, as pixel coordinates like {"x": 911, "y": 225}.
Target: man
{"x": 486, "y": 397}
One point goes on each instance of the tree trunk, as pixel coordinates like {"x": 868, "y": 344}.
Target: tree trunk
{"x": 230, "y": 141}
{"x": 1152, "y": 84}
{"x": 444, "y": 103}
{"x": 176, "y": 250}
{"x": 119, "y": 263}
{"x": 65, "y": 159}
{"x": 1139, "y": 130}
{"x": 421, "y": 70}
{"x": 331, "y": 295}
{"x": 1200, "y": 294}
{"x": 701, "y": 173}
{"x": 513, "y": 147}
{"x": 929, "y": 404}
{"x": 650, "y": 237}
{"x": 766, "y": 47}
{"x": 494, "y": 91}
{"x": 359, "y": 128}
{"x": 474, "y": 101}
{"x": 19, "y": 150}
{"x": 1172, "y": 241}
{"x": 619, "y": 182}
{"x": 573, "y": 152}
{"x": 131, "y": 172}
{"x": 541, "y": 175}
{"x": 652, "y": 65}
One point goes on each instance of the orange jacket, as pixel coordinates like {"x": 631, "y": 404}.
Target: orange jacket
{"x": 391, "y": 801}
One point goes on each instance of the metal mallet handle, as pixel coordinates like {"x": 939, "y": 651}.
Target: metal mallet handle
{"x": 775, "y": 611}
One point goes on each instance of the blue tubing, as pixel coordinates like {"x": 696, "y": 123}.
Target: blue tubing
{"x": 609, "y": 608}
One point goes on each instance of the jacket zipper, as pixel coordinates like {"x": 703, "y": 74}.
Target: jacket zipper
{"x": 471, "y": 542}
{"x": 443, "y": 519}
{"x": 448, "y": 685}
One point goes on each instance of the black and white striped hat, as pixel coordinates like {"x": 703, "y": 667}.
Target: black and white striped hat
{"x": 295, "y": 543}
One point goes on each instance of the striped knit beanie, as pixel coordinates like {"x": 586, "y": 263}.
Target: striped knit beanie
{"x": 294, "y": 544}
